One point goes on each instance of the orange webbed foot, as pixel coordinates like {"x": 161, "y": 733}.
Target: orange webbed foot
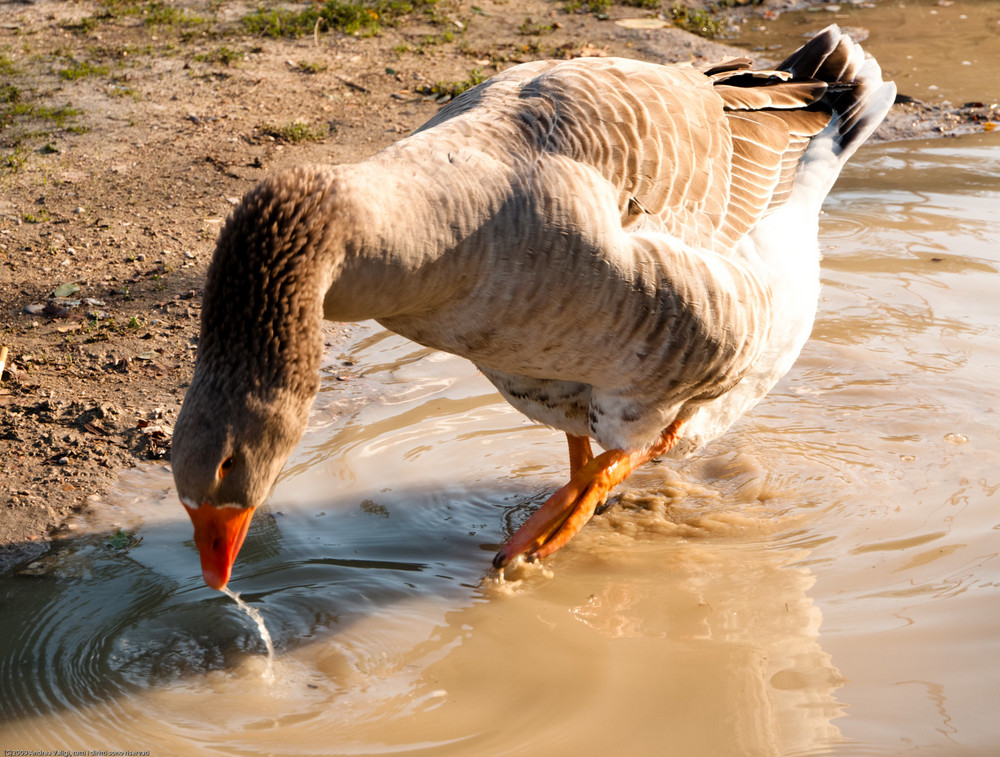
{"x": 567, "y": 511}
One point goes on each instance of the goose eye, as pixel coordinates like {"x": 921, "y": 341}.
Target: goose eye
{"x": 225, "y": 467}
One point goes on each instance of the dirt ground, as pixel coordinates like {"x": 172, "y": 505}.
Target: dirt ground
{"x": 129, "y": 129}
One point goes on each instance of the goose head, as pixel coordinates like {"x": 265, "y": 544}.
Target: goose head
{"x": 257, "y": 368}
{"x": 226, "y": 461}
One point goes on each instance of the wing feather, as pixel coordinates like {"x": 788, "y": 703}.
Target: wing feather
{"x": 701, "y": 157}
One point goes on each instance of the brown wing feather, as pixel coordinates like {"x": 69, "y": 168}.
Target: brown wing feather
{"x": 767, "y": 146}
{"x": 727, "y": 66}
{"x": 701, "y": 157}
{"x": 776, "y": 94}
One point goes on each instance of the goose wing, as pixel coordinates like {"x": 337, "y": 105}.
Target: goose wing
{"x": 702, "y": 156}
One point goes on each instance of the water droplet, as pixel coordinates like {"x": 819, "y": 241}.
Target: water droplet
{"x": 956, "y": 438}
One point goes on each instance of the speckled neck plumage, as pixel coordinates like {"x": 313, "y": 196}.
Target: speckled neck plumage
{"x": 261, "y": 310}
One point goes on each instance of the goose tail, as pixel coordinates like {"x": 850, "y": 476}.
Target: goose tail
{"x": 855, "y": 94}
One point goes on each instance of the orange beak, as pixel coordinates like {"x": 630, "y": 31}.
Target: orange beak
{"x": 219, "y": 533}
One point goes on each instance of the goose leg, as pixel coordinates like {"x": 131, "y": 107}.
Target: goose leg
{"x": 567, "y": 511}
{"x": 580, "y": 452}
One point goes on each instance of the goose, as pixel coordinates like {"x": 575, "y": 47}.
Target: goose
{"x": 627, "y": 251}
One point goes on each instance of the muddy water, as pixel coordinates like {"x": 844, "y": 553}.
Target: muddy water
{"x": 934, "y": 50}
{"x": 825, "y": 579}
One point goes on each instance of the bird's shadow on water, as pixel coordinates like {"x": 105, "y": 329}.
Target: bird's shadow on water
{"x": 93, "y": 620}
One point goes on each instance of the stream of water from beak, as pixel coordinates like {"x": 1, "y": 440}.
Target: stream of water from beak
{"x": 258, "y": 620}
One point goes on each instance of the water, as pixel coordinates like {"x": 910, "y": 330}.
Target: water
{"x": 824, "y": 580}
